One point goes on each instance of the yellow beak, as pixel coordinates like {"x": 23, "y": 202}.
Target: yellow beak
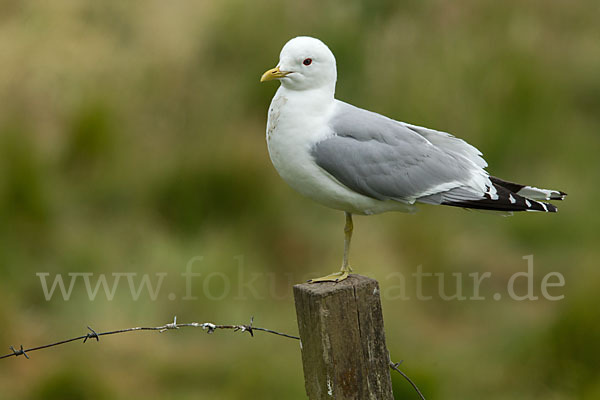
{"x": 274, "y": 73}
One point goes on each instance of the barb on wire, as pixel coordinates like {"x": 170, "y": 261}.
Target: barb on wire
{"x": 92, "y": 334}
{"x": 394, "y": 366}
{"x": 19, "y": 352}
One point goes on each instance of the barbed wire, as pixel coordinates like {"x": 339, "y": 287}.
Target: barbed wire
{"x": 208, "y": 326}
{"x": 92, "y": 334}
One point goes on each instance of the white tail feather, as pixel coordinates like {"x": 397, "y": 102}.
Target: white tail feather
{"x": 540, "y": 194}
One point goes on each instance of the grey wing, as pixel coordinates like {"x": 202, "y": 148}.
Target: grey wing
{"x": 385, "y": 159}
{"x": 450, "y": 143}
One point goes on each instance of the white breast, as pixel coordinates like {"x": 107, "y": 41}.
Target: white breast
{"x": 293, "y": 127}
{"x": 290, "y": 136}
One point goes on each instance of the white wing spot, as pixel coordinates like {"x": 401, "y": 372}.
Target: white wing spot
{"x": 512, "y": 199}
{"x": 493, "y": 193}
{"x": 528, "y": 203}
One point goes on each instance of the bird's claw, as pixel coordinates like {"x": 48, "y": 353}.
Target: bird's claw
{"x": 335, "y": 277}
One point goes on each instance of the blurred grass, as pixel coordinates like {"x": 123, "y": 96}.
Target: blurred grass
{"x": 132, "y": 139}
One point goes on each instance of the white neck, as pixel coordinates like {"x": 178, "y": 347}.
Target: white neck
{"x": 311, "y": 101}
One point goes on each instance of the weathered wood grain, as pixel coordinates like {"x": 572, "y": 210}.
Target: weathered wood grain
{"x": 343, "y": 343}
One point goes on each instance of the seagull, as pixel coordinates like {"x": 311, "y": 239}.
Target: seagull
{"x": 364, "y": 163}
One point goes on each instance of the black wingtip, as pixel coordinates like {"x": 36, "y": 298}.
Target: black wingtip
{"x": 561, "y": 196}
{"x": 506, "y": 201}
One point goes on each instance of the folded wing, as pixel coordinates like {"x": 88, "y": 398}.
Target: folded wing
{"x": 388, "y": 160}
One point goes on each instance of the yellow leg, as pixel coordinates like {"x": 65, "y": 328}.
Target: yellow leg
{"x": 345, "y": 270}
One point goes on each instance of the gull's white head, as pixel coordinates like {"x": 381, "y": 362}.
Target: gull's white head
{"x": 304, "y": 63}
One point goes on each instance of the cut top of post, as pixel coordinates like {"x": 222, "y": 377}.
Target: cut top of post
{"x": 329, "y": 288}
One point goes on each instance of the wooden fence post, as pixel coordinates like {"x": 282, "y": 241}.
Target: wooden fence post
{"x": 344, "y": 355}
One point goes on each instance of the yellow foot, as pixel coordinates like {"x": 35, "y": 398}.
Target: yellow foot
{"x": 336, "y": 277}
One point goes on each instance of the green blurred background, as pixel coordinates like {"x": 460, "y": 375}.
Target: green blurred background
{"x": 132, "y": 140}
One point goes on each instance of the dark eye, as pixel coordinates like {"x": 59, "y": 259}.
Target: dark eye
{"x": 307, "y": 61}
